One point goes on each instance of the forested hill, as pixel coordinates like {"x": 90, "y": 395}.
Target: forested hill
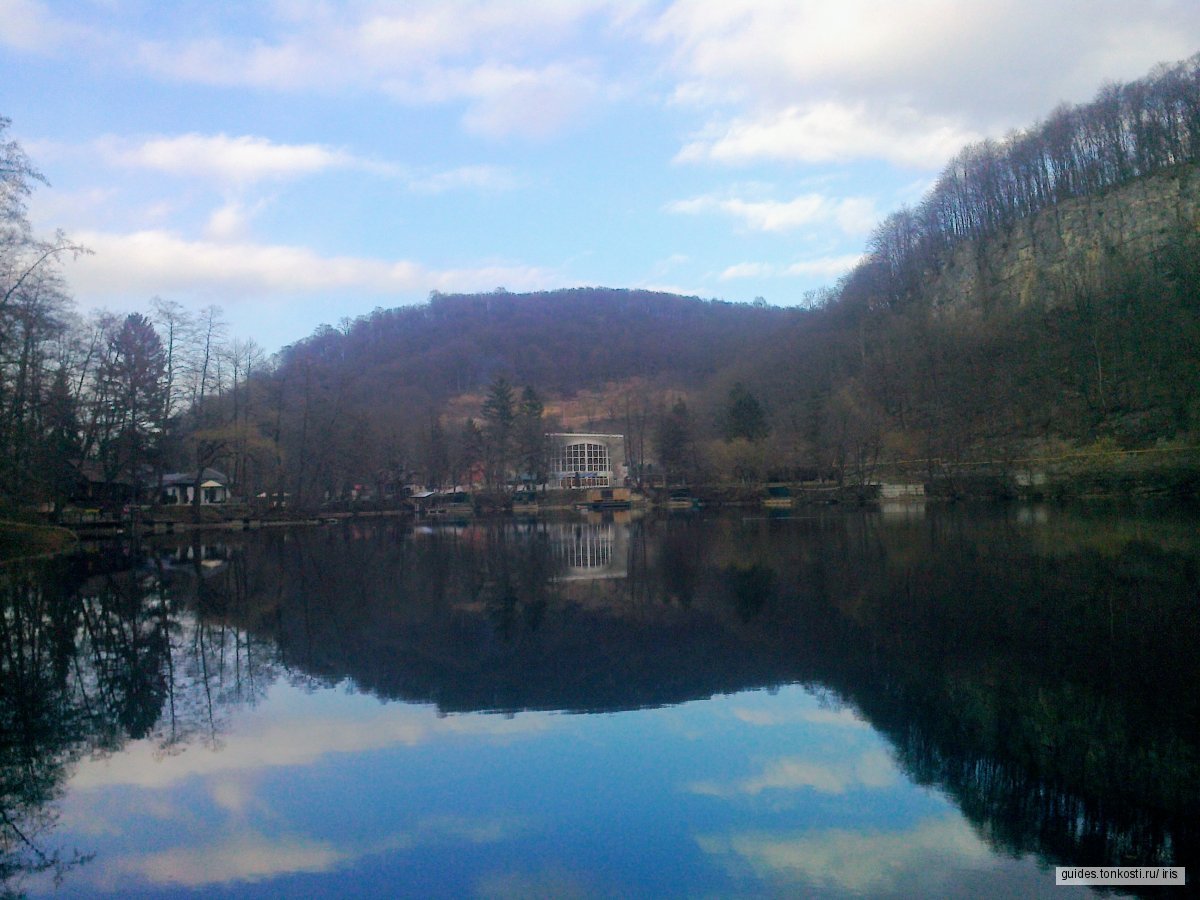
{"x": 1041, "y": 301}
{"x": 559, "y": 341}
{"x": 1043, "y": 298}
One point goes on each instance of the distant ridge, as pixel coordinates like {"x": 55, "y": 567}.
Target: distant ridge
{"x": 1041, "y": 304}
{"x": 560, "y": 341}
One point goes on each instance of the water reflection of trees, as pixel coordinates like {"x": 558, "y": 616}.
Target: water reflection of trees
{"x": 1047, "y": 687}
{"x": 1050, "y": 691}
{"x": 95, "y": 652}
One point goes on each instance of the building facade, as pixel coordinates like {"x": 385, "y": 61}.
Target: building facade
{"x": 180, "y": 487}
{"x": 587, "y": 460}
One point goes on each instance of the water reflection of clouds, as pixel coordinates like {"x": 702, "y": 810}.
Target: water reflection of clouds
{"x": 298, "y": 737}
{"x": 844, "y": 718}
{"x": 869, "y": 770}
{"x": 918, "y": 860}
{"x": 98, "y": 814}
{"x": 553, "y": 882}
{"x": 237, "y": 857}
{"x": 247, "y": 855}
{"x": 234, "y": 795}
{"x": 229, "y": 838}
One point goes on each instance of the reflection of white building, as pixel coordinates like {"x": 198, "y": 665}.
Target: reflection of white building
{"x": 589, "y": 550}
{"x": 587, "y": 460}
{"x": 207, "y": 559}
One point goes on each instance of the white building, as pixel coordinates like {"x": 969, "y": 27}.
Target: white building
{"x": 179, "y": 488}
{"x": 587, "y": 460}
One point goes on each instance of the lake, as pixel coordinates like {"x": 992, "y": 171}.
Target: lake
{"x": 897, "y": 702}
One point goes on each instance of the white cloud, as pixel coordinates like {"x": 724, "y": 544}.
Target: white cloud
{"x": 830, "y": 132}
{"x": 230, "y": 221}
{"x": 825, "y": 266}
{"x": 237, "y": 160}
{"x": 853, "y": 79}
{"x": 527, "y": 102}
{"x": 481, "y": 177}
{"x": 921, "y": 859}
{"x": 149, "y": 262}
{"x": 747, "y": 270}
{"x": 853, "y": 215}
{"x": 767, "y": 52}
{"x": 213, "y": 61}
{"x": 944, "y": 51}
{"x": 515, "y": 66}
{"x": 856, "y": 215}
{"x": 423, "y": 41}
{"x": 48, "y": 209}
{"x": 29, "y": 26}
{"x": 812, "y": 81}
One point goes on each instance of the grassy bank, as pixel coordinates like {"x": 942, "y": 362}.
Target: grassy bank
{"x": 20, "y": 539}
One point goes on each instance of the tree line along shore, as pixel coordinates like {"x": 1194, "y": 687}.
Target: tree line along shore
{"x": 1030, "y": 328}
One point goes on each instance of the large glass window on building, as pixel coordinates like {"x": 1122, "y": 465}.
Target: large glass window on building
{"x": 586, "y": 463}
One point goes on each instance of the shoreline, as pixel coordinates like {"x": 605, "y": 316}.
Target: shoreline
{"x": 26, "y": 540}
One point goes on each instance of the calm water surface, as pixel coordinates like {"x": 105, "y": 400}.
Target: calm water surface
{"x": 895, "y": 703}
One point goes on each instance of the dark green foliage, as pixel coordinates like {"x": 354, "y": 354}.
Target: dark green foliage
{"x": 744, "y": 416}
{"x": 498, "y": 409}
{"x": 499, "y": 416}
{"x": 133, "y": 382}
{"x": 531, "y": 447}
{"x": 674, "y": 442}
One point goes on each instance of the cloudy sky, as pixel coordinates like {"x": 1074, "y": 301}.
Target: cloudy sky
{"x": 296, "y": 162}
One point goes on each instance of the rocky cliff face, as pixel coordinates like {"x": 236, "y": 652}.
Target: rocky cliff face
{"x": 1033, "y": 260}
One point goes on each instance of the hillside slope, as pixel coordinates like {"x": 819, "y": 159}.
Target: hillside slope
{"x": 1035, "y": 258}
{"x": 557, "y": 341}
{"x": 1042, "y": 300}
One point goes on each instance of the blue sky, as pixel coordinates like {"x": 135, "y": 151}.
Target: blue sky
{"x": 300, "y": 162}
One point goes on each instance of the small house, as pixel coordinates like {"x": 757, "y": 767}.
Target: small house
{"x": 94, "y": 487}
{"x": 179, "y": 488}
